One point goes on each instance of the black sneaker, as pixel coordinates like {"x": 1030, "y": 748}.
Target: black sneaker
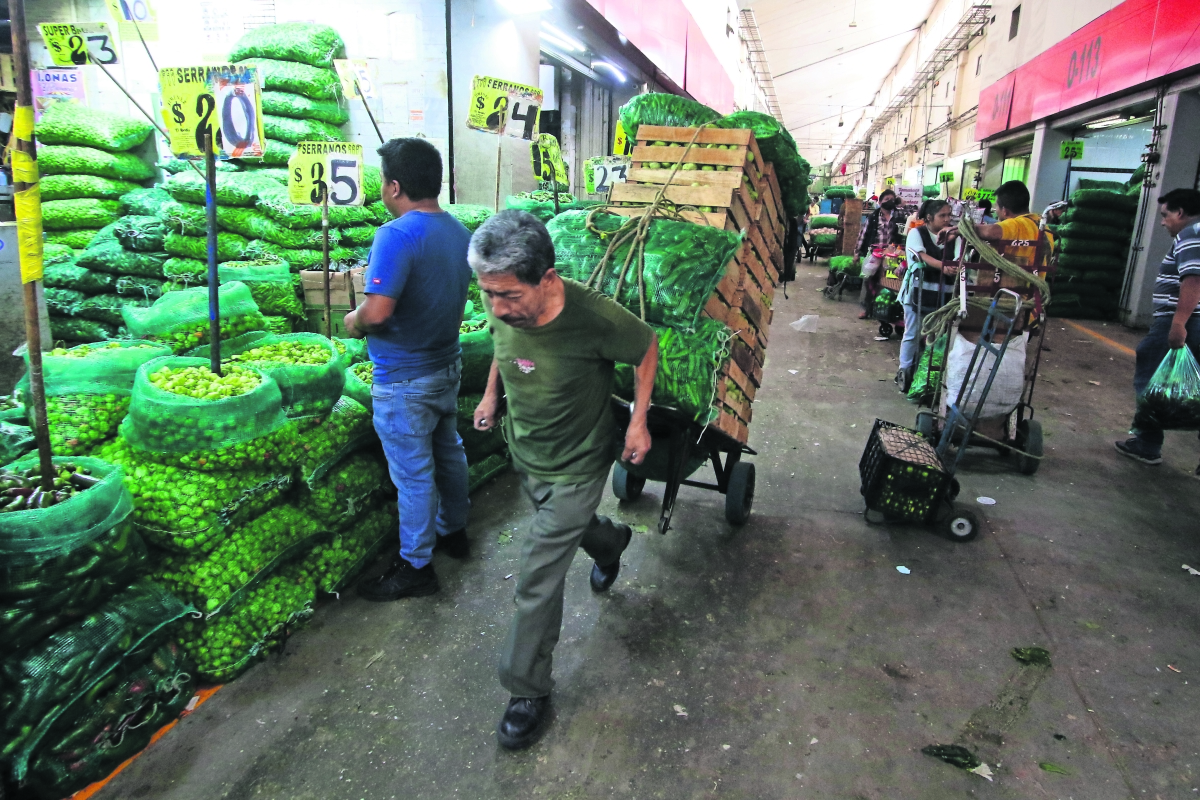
{"x": 455, "y": 545}
{"x": 603, "y": 577}
{"x": 523, "y": 720}
{"x": 402, "y": 579}
{"x": 1138, "y": 450}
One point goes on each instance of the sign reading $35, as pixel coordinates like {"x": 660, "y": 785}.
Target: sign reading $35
{"x": 318, "y": 168}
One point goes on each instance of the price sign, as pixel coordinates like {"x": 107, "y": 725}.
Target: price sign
{"x": 320, "y": 167}
{"x": 135, "y": 19}
{"x": 970, "y": 193}
{"x": 504, "y": 107}
{"x": 946, "y": 177}
{"x": 889, "y": 181}
{"x": 621, "y": 144}
{"x": 72, "y": 45}
{"x": 1071, "y": 149}
{"x": 986, "y": 194}
{"x": 546, "y": 158}
{"x": 224, "y": 101}
{"x": 602, "y": 173}
{"x": 356, "y": 78}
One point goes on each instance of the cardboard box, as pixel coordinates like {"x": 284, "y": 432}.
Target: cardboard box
{"x": 316, "y": 319}
{"x": 341, "y": 289}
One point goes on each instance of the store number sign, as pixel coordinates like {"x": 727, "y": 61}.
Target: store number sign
{"x": 223, "y": 101}
{"x": 504, "y": 108}
{"x": 72, "y": 45}
{"x": 1072, "y": 148}
{"x": 317, "y": 168}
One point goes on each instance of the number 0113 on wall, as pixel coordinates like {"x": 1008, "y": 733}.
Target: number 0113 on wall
{"x": 320, "y": 167}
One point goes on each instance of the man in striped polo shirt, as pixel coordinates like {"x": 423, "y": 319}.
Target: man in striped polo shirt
{"x": 1176, "y": 310}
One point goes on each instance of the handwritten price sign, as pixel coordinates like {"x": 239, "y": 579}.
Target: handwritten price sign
{"x": 74, "y": 45}
{"x": 223, "y": 101}
{"x": 505, "y": 108}
{"x": 318, "y": 168}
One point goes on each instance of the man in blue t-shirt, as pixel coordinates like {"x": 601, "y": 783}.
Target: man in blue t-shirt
{"x": 416, "y": 290}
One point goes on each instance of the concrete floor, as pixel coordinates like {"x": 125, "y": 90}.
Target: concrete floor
{"x": 788, "y": 658}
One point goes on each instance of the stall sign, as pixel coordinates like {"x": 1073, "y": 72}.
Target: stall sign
{"x": 72, "y": 45}
{"x": 317, "y": 168}
{"x": 946, "y": 177}
{"x": 504, "y": 108}
{"x": 1072, "y": 148}
{"x": 889, "y": 181}
{"x": 135, "y": 20}
{"x": 985, "y": 194}
{"x": 604, "y": 171}
{"x": 910, "y": 195}
{"x": 970, "y": 193}
{"x": 356, "y": 78}
{"x": 225, "y": 101}
{"x": 62, "y": 85}
{"x": 621, "y": 144}
{"x": 546, "y": 158}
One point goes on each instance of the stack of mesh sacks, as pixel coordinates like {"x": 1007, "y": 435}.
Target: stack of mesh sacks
{"x": 1093, "y": 242}
{"x": 85, "y": 158}
{"x": 89, "y": 669}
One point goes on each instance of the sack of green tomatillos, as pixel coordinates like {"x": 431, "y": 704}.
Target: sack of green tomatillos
{"x": 180, "y": 319}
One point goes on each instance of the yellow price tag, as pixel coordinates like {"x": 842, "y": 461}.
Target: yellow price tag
{"x": 970, "y": 193}
{"x": 320, "y": 167}
{"x": 504, "y": 107}
{"x": 547, "y": 160}
{"x": 621, "y": 144}
{"x": 224, "y": 101}
{"x": 889, "y": 181}
{"x": 135, "y": 20}
{"x": 72, "y": 45}
{"x": 355, "y": 76}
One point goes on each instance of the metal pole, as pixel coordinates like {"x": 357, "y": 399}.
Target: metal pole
{"x": 325, "y": 259}
{"x": 367, "y": 106}
{"x": 29, "y": 234}
{"x": 214, "y": 283}
{"x": 499, "y": 143}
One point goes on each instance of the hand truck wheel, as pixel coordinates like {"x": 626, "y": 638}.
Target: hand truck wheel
{"x": 739, "y": 496}
{"x": 626, "y": 486}
{"x": 1030, "y": 440}
{"x": 886, "y": 329}
{"x": 961, "y": 526}
{"x": 926, "y": 424}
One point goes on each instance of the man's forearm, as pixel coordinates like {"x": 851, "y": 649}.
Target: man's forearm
{"x": 643, "y": 381}
{"x": 493, "y": 383}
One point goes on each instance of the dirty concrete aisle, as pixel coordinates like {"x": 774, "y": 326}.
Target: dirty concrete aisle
{"x": 785, "y": 659}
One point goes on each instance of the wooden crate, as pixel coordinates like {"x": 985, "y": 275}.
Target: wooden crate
{"x": 728, "y": 423}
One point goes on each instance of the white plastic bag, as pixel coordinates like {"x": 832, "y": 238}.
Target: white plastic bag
{"x": 1006, "y": 388}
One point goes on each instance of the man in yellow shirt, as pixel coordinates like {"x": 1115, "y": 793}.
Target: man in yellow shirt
{"x": 1016, "y": 222}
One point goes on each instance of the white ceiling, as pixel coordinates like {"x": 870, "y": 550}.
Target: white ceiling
{"x": 824, "y": 70}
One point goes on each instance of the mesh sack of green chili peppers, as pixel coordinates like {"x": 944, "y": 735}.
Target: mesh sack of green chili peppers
{"x": 144, "y": 202}
{"x": 336, "y": 563}
{"x": 71, "y": 276}
{"x": 230, "y": 246}
{"x": 88, "y": 389}
{"x": 1171, "y": 401}
{"x": 294, "y": 131}
{"x": 316, "y": 83}
{"x": 186, "y": 218}
{"x": 107, "y": 308}
{"x": 70, "y": 187}
{"x": 75, "y": 160}
{"x": 37, "y": 686}
{"x": 142, "y": 233}
{"x": 290, "y": 104}
{"x": 84, "y": 212}
{"x": 109, "y": 256}
{"x": 482, "y": 472}
{"x": 687, "y": 368}
{"x": 270, "y": 282}
{"x": 180, "y": 319}
{"x": 111, "y": 725}
{"x": 138, "y": 287}
{"x": 471, "y": 216}
{"x": 306, "y": 367}
{"x": 74, "y": 123}
{"x": 273, "y": 201}
{"x": 322, "y": 446}
{"x": 76, "y": 240}
{"x": 233, "y": 188}
{"x": 683, "y": 264}
{"x": 306, "y": 42}
{"x": 663, "y": 109}
{"x": 255, "y": 225}
{"x": 345, "y": 490}
{"x": 188, "y": 271}
{"x": 79, "y": 331}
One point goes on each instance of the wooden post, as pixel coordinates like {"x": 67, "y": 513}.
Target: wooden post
{"x": 214, "y": 283}
{"x": 29, "y": 234}
{"x": 325, "y": 259}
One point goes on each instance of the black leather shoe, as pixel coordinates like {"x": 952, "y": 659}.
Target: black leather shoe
{"x": 603, "y": 577}
{"x": 402, "y": 579}
{"x": 523, "y": 721}
{"x": 455, "y": 545}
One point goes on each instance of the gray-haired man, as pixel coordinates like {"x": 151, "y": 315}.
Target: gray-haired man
{"x": 556, "y": 346}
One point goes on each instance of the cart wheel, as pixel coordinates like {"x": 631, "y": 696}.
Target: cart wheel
{"x": 626, "y": 486}
{"x": 739, "y": 497}
{"x": 886, "y": 329}
{"x": 1029, "y": 439}
{"x": 961, "y": 526}
{"x": 925, "y": 424}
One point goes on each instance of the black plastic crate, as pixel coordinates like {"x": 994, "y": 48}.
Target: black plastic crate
{"x": 902, "y": 476}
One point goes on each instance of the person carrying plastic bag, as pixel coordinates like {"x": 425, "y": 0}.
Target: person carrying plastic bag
{"x": 1166, "y": 380}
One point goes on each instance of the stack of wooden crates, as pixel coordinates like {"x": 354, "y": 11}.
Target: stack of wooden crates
{"x": 745, "y": 197}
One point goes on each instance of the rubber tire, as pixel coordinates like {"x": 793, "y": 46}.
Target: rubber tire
{"x": 1029, "y": 439}
{"x": 961, "y": 526}
{"x": 625, "y": 486}
{"x": 740, "y": 496}
{"x": 925, "y": 423}
{"x": 886, "y": 329}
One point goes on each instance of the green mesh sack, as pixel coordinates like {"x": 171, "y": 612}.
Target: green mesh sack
{"x": 270, "y": 283}
{"x": 61, "y": 670}
{"x": 1091, "y": 261}
{"x": 88, "y": 742}
{"x": 230, "y": 246}
{"x": 73, "y": 329}
{"x": 347, "y": 429}
{"x": 138, "y": 287}
{"x": 1100, "y": 216}
{"x": 180, "y": 319}
{"x": 274, "y": 202}
{"x": 308, "y": 258}
{"x": 688, "y": 364}
{"x": 372, "y": 184}
{"x": 233, "y": 188}
{"x": 306, "y": 366}
{"x": 306, "y": 42}
{"x": 63, "y": 302}
{"x": 297, "y": 106}
{"x": 76, "y": 240}
{"x": 471, "y": 216}
{"x": 1077, "y": 246}
{"x": 144, "y": 202}
{"x": 73, "y": 160}
{"x": 357, "y": 235}
{"x": 824, "y": 221}
{"x": 491, "y": 467}
{"x": 186, "y": 270}
{"x": 220, "y": 580}
{"x": 69, "y": 187}
{"x": 75, "y": 123}
{"x": 1087, "y": 230}
{"x": 174, "y": 165}
{"x": 57, "y": 254}
{"x": 15, "y": 441}
{"x": 1171, "y": 401}
{"x": 359, "y": 380}
{"x": 107, "y": 307}
{"x": 277, "y": 174}
{"x": 478, "y": 444}
{"x": 255, "y": 225}
{"x": 186, "y": 218}
{"x": 111, "y": 257}
{"x": 315, "y": 83}
{"x": 779, "y": 148}
{"x": 824, "y": 239}
{"x": 66, "y": 215}
{"x": 844, "y": 192}
{"x": 1104, "y": 199}
{"x": 1108, "y": 186}
{"x": 277, "y": 324}
{"x": 683, "y": 264}
{"x": 294, "y": 131}
{"x": 141, "y": 233}
{"x": 663, "y": 109}
{"x": 477, "y": 353}
{"x": 380, "y": 214}
{"x": 347, "y": 488}
{"x": 276, "y": 154}
{"x": 934, "y": 355}
{"x": 336, "y": 563}
{"x": 544, "y": 209}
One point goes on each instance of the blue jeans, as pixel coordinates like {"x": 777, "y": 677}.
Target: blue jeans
{"x": 1150, "y": 353}
{"x": 417, "y": 420}
{"x": 910, "y": 345}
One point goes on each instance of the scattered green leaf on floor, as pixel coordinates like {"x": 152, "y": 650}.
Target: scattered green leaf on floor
{"x": 953, "y": 754}
{"x": 1050, "y": 766}
{"x": 1037, "y": 656}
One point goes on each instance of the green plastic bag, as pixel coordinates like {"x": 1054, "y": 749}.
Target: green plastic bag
{"x": 306, "y": 42}
{"x": 66, "y": 215}
{"x": 663, "y": 109}
{"x": 65, "y": 159}
{"x": 180, "y": 319}
{"x": 76, "y": 240}
{"x": 471, "y": 216}
{"x": 75, "y": 123}
{"x": 1171, "y": 401}
{"x": 306, "y": 388}
{"x": 934, "y": 354}
{"x": 141, "y": 233}
{"x": 73, "y": 329}
{"x": 111, "y": 257}
{"x": 688, "y": 364}
{"x": 70, "y": 187}
{"x": 315, "y": 83}
{"x": 294, "y": 131}
{"x": 297, "y": 106}
{"x": 230, "y": 246}
{"x": 270, "y": 283}
{"x": 145, "y": 202}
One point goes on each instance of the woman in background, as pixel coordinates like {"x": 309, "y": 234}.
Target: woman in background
{"x": 921, "y": 288}
{"x": 885, "y": 229}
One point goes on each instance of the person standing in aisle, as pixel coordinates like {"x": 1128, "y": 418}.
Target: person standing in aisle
{"x": 416, "y": 290}
{"x": 920, "y": 290}
{"x": 557, "y": 343}
{"x": 884, "y": 229}
{"x": 1176, "y": 311}
{"x": 1016, "y": 222}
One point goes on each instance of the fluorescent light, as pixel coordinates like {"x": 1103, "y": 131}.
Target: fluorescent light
{"x": 1113, "y": 121}
{"x": 576, "y": 45}
{"x": 524, "y": 6}
{"x": 616, "y": 73}
{"x": 557, "y": 42}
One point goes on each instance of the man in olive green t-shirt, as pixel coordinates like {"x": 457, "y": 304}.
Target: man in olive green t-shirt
{"x": 557, "y": 344}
